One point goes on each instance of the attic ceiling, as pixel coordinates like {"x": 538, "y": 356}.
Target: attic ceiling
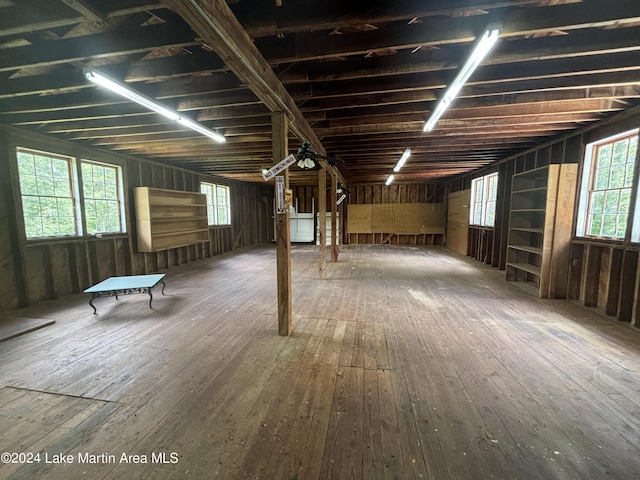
{"x": 365, "y": 76}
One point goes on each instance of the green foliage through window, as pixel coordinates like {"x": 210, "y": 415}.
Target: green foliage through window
{"x": 101, "y": 191}
{"x": 218, "y": 203}
{"x": 484, "y": 191}
{"x": 47, "y": 194}
{"x": 611, "y": 184}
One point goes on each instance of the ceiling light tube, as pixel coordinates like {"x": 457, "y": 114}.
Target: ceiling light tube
{"x": 403, "y": 159}
{"x": 481, "y": 50}
{"x": 389, "y": 180}
{"x": 151, "y": 104}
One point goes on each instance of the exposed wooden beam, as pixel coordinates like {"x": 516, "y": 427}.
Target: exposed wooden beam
{"x": 95, "y": 46}
{"x": 87, "y": 11}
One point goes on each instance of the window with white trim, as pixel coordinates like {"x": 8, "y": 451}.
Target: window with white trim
{"x": 484, "y": 191}
{"x": 607, "y": 187}
{"x": 103, "y": 199}
{"x": 218, "y": 203}
{"x": 48, "y": 194}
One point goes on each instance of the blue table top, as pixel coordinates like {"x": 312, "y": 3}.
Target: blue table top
{"x": 125, "y": 282}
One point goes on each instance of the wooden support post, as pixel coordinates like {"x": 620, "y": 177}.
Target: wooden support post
{"x": 283, "y": 231}
{"x": 10, "y": 195}
{"x": 322, "y": 219}
{"x": 591, "y": 280}
{"x": 334, "y": 223}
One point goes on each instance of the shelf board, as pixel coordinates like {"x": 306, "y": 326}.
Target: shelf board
{"x": 180, "y": 232}
{"x": 533, "y": 269}
{"x": 527, "y": 210}
{"x": 527, "y": 190}
{"x": 527, "y": 248}
{"x": 527, "y": 229}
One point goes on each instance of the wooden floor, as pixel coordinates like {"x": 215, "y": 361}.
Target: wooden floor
{"x": 406, "y": 362}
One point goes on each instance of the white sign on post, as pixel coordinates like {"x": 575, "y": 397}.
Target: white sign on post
{"x": 341, "y": 199}
{"x": 279, "y": 167}
{"x": 281, "y": 206}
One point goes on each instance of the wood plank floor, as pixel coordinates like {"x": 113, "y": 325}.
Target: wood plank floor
{"x": 405, "y": 363}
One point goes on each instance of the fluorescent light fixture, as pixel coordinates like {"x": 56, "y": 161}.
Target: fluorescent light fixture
{"x": 403, "y": 159}
{"x": 151, "y": 104}
{"x": 389, "y": 180}
{"x": 487, "y": 41}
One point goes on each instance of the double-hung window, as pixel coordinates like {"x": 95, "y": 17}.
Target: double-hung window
{"x": 218, "y": 204}
{"x": 607, "y": 184}
{"x": 484, "y": 191}
{"x": 48, "y": 194}
{"x": 51, "y": 195}
{"x": 102, "y": 191}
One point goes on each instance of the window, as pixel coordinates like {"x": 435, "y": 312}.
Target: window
{"x": 607, "y": 183}
{"x": 50, "y": 196}
{"x": 47, "y": 191}
{"x": 218, "y": 205}
{"x": 484, "y": 191}
{"x": 102, "y": 191}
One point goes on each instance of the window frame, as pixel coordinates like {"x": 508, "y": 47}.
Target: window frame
{"x": 484, "y": 201}
{"x": 74, "y": 197}
{"x": 77, "y": 198}
{"x": 213, "y": 207}
{"x": 119, "y": 193}
{"x": 588, "y": 188}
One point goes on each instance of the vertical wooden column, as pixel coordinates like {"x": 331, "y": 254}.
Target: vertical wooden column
{"x": 283, "y": 231}
{"x": 334, "y": 223}
{"x": 15, "y": 232}
{"x": 322, "y": 219}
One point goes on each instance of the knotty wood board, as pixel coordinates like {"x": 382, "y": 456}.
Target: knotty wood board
{"x": 458, "y": 221}
{"x": 398, "y": 218}
{"x": 406, "y": 362}
{"x": 11, "y": 327}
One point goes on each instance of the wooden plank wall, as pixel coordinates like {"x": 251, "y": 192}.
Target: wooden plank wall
{"x": 48, "y": 269}
{"x": 602, "y": 274}
{"x": 458, "y": 221}
{"x": 400, "y": 193}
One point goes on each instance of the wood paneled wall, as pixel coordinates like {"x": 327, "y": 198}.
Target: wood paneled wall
{"x": 395, "y": 193}
{"x": 603, "y": 274}
{"x": 51, "y": 268}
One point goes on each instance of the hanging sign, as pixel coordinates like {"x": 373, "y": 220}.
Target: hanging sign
{"x": 281, "y": 204}
{"x": 341, "y": 199}
{"x": 279, "y": 167}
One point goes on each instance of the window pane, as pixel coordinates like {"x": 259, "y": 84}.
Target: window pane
{"x": 596, "y": 225}
{"x": 609, "y": 225}
{"x": 611, "y": 201}
{"x": 620, "y": 150}
{"x": 47, "y": 194}
{"x": 604, "y": 158}
{"x": 602, "y": 179}
{"x": 610, "y": 188}
{"x": 28, "y": 185}
{"x": 102, "y": 197}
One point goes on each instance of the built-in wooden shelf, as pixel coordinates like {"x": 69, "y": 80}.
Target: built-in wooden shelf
{"x": 540, "y": 222}
{"x": 169, "y": 218}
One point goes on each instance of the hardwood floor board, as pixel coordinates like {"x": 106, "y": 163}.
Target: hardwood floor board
{"x": 68, "y": 436}
{"x": 435, "y": 405}
{"x": 589, "y": 424}
{"x": 36, "y": 415}
{"x": 342, "y": 457}
{"x": 574, "y": 406}
{"x": 348, "y": 345}
{"x": 310, "y": 463}
{"x": 372, "y": 449}
{"x": 405, "y": 362}
{"x": 311, "y": 382}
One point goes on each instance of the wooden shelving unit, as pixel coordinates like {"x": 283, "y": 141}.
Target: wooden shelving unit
{"x": 540, "y": 223}
{"x": 169, "y": 218}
